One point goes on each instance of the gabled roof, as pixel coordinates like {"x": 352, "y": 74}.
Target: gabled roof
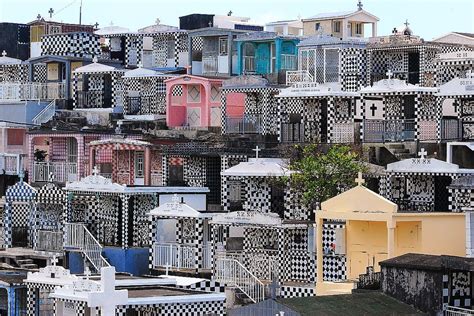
{"x": 192, "y": 78}
{"x": 141, "y": 72}
{"x": 422, "y": 165}
{"x": 261, "y": 167}
{"x": 110, "y": 30}
{"x": 389, "y": 86}
{"x": 340, "y": 15}
{"x": 176, "y": 209}
{"x": 359, "y": 199}
{"x": 458, "y": 86}
{"x": 4, "y": 60}
{"x": 95, "y": 67}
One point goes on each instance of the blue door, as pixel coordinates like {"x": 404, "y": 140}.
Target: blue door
{"x": 262, "y": 57}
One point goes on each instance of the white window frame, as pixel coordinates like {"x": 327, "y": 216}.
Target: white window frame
{"x": 223, "y": 46}
{"x": 358, "y": 28}
{"x": 338, "y": 28}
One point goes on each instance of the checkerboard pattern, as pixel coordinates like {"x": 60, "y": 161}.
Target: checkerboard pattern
{"x": 287, "y": 291}
{"x": 78, "y": 44}
{"x": 14, "y": 73}
{"x": 179, "y": 309}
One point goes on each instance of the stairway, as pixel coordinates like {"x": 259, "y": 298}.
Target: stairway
{"x": 399, "y": 151}
{"x": 233, "y": 274}
{"x": 79, "y": 238}
{"x": 26, "y": 264}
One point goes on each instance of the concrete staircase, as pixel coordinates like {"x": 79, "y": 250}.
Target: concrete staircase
{"x": 26, "y": 264}
{"x": 400, "y": 151}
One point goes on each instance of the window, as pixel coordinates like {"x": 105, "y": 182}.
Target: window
{"x": 336, "y": 26}
{"x": 223, "y": 45}
{"x": 54, "y": 29}
{"x": 317, "y": 26}
{"x": 358, "y": 28}
{"x": 15, "y": 137}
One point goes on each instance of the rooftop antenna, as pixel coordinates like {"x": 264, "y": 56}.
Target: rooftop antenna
{"x": 51, "y": 11}
{"x": 80, "y": 13}
{"x": 359, "y": 5}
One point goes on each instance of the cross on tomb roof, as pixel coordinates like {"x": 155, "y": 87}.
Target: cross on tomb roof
{"x": 21, "y": 175}
{"x": 4, "y": 53}
{"x": 54, "y": 260}
{"x": 422, "y": 153}
{"x": 157, "y": 21}
{"x": 389, "y": 74}
{"x": 406, "y": 23}
{"x": 359, "y": 180}
{"x": 51, "y": 11}
{"x": 95, "y": 171}
{"x": 257, "y": 150}
{"x": 175, "y": 198}
{"x": 360, "y": 5}
{"x": 87, "y": 272}
{"x": 51, "y": 177}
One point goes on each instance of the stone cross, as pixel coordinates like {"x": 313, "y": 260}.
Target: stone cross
{"x": 360, "y": 5}
{"x": 4, "y": 53}
{"x": 210, "y": 24}
{"x": 109, "y": 298}
{"x": 96, "y": 25}
{"x": 406, "y": 23}
{"x": 38, "y": 16}
{"x": 389, "y": 74}
{"x": 51, "y": 11}
{"x": 257, "y": 150}
{"x": 373, "y": 108}
{"x": 21, "y": 175}
{"x": 359, "y": 179}
{"x": 87, "y": 272}
{"x": 175, "y": 198}
{"x": 54, "y": 260}
{"x": 95, "y": 171}
{"x": 157, "y": 21}
{"x": 95, "y": 60}
{"x": 422, "y": 153}
{"x": 51, "y": 177}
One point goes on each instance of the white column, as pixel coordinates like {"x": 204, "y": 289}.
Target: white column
{"x": 374, "y": 29}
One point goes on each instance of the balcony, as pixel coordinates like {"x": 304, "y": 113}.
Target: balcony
{"x": 248, "y": 124}
{"x": 62, "y": 171}
{"x": 380, "y": 131}
{"x": 288, "y": 62}
{"x": 297, "y": 76}
{"x": 10, "y": 164}
{"x": 31, "y": 91}
{"x": 177, "y": 256}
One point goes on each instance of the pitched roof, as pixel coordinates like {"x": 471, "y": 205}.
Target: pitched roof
{"x": 340, "y": 14}
{"x": 261, "y": 167}
{"x": 471, "y": 35}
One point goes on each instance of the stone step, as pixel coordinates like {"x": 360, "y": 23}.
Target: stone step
{"x": 401, "y": 151}
{"x": 29, "y": 266}
{"x": 396, "y": 146}
{"x": 24, "y": 261}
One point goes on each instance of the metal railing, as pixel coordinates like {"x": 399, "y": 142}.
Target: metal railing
{"x": 10, "y": 163}
{"x": 249, "y": 64}
{"x": 450, "y": 129}
{"x": 63, "y": 171}
{"x": 458, "y": 311}
{"x": 80, "y": 238}
{"x": 292, "y": 132}
{"x": 173, "y": 256}
{"x": 296, "y": 76}
{"x": 248, "y": 124}
{"x": 140, "y": 105}
{"x": 46, "y": 114}
{"x": 232, "y": 273}
{"x": 288, "y": 62}
{"x": 409, "y": 205}
{"x": 369, "y": 281}
{"x": 92, "y": 100}
{"x": 210, "y": 65}
{"x": 49, "y": 241}
{"x": 379, "y": 131}
{"x": 32, "y": 91}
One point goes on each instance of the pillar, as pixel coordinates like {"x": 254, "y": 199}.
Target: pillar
{"x": 190, "y": 54}
{"x": 68, "y": 80}
{"x": 147, "y": 166}
{"x": 278, "y": 44}
{"x": 374, "y": 29}
{"x": 319, "y": 248}
{"x": 230, "y": 40}
{"x": 91, "y": 159}
{"x": 199, "y": 244}
{"x": 125, "y": 225}
{"x": 80, "y": 157}
{"x": 391, "y": 238}
{"x": 239, "y": 68}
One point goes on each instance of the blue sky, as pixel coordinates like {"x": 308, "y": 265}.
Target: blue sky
{"x": 428, "y": 18}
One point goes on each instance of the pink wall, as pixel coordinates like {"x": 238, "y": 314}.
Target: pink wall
{"x": 235, "y": 104}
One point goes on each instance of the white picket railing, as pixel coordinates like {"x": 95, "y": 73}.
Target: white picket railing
{"x": 80, "y": 238}
{"x": 46, "y": 114}
{"x": 10, "y": 164}
{"x": 297, "y": 76}
{"x": 10, "y": 91}
{"x": 173, "y": 256}
{"x": 458, "y": 311}
{"x": 63, "y": 171}
{"x": 233, "y": 273}
{"x": 288, "y": 62}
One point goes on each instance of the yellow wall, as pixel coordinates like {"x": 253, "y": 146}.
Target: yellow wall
{"x": 408, "y": 237}
{"x": 366, "y": 244}
{"x": 309, "y": 27}
{"x": 446, "y": 235}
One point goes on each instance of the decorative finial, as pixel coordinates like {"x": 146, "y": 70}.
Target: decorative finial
{"x": 111, "y": 23}
{"x": 257, "y": 150}
{"x": 51, "y": 11}
{"x": 389, "y": 74}
{"x": 38, "y": 17}
{"x": 54, "y": 260}
{"x": 175, "y": 199}
{"x": 4, "y": 53}
{"x": 140, "y": 64}
{"x": 95, "y": 60}
{"x": 422, "y": 153}
{"x": 320, "y": 31}
{"x": 230, "y": 13}
{"x": 96, "y": 24}
{"x": 157, "y": 21}
{"x": 406, "y": 23}
{"x": 359, "y": 180}
{"x": 95, "y": 171}
{"x": 210, "y": 23}
{"x": 359, "y": 5}
{"x": 87, "y": 273}
{"x": 21, "y": 175}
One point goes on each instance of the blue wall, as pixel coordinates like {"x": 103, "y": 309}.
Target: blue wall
{"x": 133, "y": 260}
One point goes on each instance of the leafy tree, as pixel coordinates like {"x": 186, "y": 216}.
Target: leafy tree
{"x": 40, "y": 155}
{"x": 321, "y": 175}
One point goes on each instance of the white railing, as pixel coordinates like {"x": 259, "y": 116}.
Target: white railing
{"x": 173, "y": 256}
{"x": 458, "y": 311}
{"x": 49, "y": 241}
{"x": 206, "y": 257}
{"x": 32, "y": 91}
{"x": 46, "y": 114}
{"x": 296, "y": 76}
{"x": 10, "y": 164}
{"x": 79, "y": 237}
{"x": 63, "y": 171}
{"x": 249, "y": 64}
{"x": 288, "y": 62}
{"x": 210, "y": 65}
{"x": 233, "y": 273}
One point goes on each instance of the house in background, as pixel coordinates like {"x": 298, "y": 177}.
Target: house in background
{"x": 344, "y": 24}
{"x": 199, "y": 21}
{"x": 456, "y": 38}
{"x": 15, "y": 39}
{"x": 288, "y": 27}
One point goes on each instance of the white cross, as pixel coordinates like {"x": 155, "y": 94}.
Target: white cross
{"x": 95, "y": 60}
{"x": 87, "y": 272}
{"x": 95, "y": 171}
{"x": 4, "y": 53}
{"x": 54, "y": 260}
{"x": 175, "y": 199}
{"x": 109, "y": 298}
{"x": 422, "y": 153}
{"x": 389, "y": 74}
{"x": 256, "y": 150}
{"x": 157, "y": 21}
{"x": 359, "y": 179}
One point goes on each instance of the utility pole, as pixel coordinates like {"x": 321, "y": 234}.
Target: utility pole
{"x": 80, "y": 14}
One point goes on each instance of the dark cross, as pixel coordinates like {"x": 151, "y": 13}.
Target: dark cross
{"x": 360, "y": 5}
{"x": 96, "y": 25}
{"x": 373, "y": 108}
{"x": 210, "y": 24}
{"x": 38, "y": 16}
{"x": 51, "y": 11}
{"x": 230, "y": 13}
{"x": 394, "y": 31}
{"x": 274, "y": 286}
{"x": 406, "y": 23}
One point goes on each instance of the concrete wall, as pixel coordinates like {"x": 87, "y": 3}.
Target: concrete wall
{"x": 133, "y": 260}
{"x": 421, "y": 289}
